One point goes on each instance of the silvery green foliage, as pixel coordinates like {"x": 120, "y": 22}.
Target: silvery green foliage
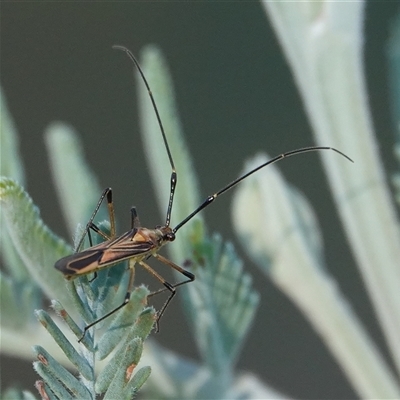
{"x": 393, "y": 55}
{"x": 120, "y": 339}
{"x": 322, "y": 42}
{"x": 220, "y": 304}
{"x": 16, "y": 394}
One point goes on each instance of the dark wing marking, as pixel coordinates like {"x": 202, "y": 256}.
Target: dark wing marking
{"x": 104, "y": 255}
{"x": 79, "y": 263}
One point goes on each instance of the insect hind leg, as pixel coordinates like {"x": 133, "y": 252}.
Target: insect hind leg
{"x": 168, "y": 286}
{"x": 191, "y": 277}
{"x": 124, "y": 303}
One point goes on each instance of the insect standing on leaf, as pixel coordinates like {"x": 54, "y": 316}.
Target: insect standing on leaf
{"x": 139, "y": 243}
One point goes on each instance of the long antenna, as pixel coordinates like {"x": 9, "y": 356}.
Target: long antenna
{"x": 212, "y": 197}
{"x": 174, "y": 176}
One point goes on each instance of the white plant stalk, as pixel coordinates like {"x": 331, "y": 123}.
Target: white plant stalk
{"x": 323, "y": 44}
{"x": 279, "y": 231}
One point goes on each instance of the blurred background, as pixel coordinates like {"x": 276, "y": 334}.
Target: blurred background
{"x": 236, "y": 97}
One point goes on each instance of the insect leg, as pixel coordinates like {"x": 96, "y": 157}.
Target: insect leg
{"x": 176, "y": 268}
{"x": 97, "y": 230}
{"x": 107, "y": 193}
{"x": 135, "y": 223}
{"x": 124, "y": 303}
{"x": 167, "y": 285}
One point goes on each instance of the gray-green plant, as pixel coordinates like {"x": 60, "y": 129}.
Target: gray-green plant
{"x": 323, "y": 44}
{"x": 220, "y": 306}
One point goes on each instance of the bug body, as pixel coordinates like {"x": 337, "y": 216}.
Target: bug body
{"x": 139, "y": 243}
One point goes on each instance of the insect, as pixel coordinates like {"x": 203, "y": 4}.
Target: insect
{"x": 140, "y": 243}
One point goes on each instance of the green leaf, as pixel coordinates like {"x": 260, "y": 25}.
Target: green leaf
{"x": 126, "y": 317}
{"x": 10, "y": 166}
{"x": 175, "y": 377}
{"x": 326, "y": 55}
{"x": 115, "y": 380}
{"x": 77, "y": 187}
{"x": 62, "y": 341}
{"x": 16, "y": 394}
{"x": 57, "y": 377}
{"x": 280, "y": 234}
{"x": 121, "y": 336}
{"x": 137, "y": 381}
{"x": 224, "y": 301}
{"x": 10, "y": 161}
{"x": 37, "y": 246}
{"x": 18, "y": 301}
{"x": 45, "y": 391}
{"x": 396, "y": 175}
{"x": 12, "y": 261}
{"x": 393, "y": 56}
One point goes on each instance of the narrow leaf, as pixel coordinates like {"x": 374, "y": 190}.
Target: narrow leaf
{"x": 37, "y": 246}
{"x": 10, "y": 160}
{"x": 277, "y": 237}
{"x": 224, "y": 301}
{"x": 125, "y": 318}
{"x": 128, "y": 354}
{"x": 52, "y": 382}
{"x": 18, "y": 301}
{"x": 75, "y": 358}
{"x": 77, "y": 187}
{"x": 68, "y": 381}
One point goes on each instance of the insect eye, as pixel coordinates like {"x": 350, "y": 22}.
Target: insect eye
{"x": 170, "y": 236}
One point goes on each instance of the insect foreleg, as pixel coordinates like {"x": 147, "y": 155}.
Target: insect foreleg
{"x": 107, "y": 193}
{"x": 135, "y": 223}
{"x": 97, "y": 230}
